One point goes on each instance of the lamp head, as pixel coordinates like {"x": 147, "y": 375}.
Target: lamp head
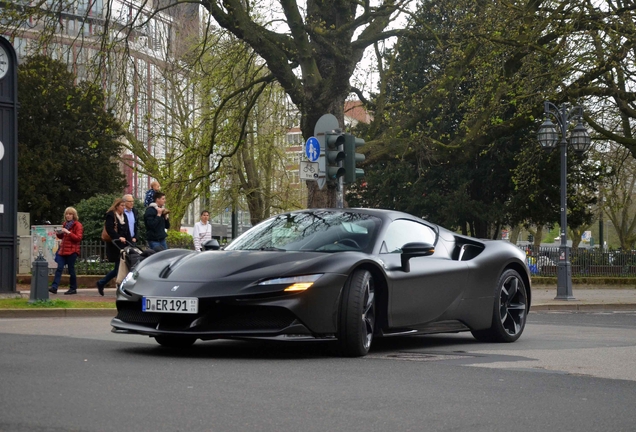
{"x": 548, "y": 135}
{"x": 579, "y": 138}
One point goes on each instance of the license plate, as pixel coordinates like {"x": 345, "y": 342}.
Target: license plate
{"x": 186, "y": 305}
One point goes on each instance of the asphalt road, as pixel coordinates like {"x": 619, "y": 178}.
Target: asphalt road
{"x": 569, "y": 372}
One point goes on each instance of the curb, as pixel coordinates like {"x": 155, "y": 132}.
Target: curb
{"x": 57, "y": 313}
{"x": 583, "y": 307}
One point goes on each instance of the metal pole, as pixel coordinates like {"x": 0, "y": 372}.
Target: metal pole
{"x": 564, "y": 267}
{"x": 340, "y": 186}
{"x": 600, "y": 231}
{"x": 234, "y": 221}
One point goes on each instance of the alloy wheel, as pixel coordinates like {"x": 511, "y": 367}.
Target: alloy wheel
{"x": 368, "y": 313}
{"x": 512, "y": 305}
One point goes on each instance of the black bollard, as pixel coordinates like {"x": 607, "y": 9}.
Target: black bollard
{"x": 39, "y": 279}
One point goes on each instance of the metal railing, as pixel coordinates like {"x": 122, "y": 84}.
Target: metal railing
{"x": 92, "y": 259}
{"x": 92, "y": 250}
{"x": 542, "y": 261}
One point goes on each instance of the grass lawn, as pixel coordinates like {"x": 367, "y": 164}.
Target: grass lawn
{"x": 23, "y": 303}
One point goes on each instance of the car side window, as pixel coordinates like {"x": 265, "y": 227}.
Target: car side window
{"x": 403, "y": 231}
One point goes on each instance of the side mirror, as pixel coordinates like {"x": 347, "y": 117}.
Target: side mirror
{"x": 211, "y": 245}
{"x": 412, "y": 250}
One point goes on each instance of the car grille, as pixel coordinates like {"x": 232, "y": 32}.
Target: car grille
{"x": 212, "y": 317}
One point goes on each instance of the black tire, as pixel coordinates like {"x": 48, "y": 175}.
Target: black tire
{"x": 510, "y": 310}
{"x": 357, "y": 315}
{"x": 175, "y": 341}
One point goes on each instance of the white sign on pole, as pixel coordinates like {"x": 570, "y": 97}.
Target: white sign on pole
{"x": 308, "y": 170}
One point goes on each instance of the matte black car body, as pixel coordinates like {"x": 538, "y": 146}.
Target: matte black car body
{"x": 463, "y": 284}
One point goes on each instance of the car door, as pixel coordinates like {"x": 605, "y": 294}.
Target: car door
{"x": 434, "y": 283}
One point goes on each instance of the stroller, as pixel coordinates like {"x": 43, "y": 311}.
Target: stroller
{"x": 129, "y": 257}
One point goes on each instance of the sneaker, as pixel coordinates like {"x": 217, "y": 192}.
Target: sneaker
{"x": 53, "y": 290}
{"x": 70, "y": 292}
{"x": 100, "y": 289}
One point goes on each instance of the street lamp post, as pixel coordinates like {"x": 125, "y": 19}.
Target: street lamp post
{"x": 548, "y": 137}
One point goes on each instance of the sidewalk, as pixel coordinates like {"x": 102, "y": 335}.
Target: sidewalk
{"x": 587, "y": 298}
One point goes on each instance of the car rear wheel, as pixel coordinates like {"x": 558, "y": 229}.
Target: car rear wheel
{"x": 509, "y": 312}
{"x": 175, "y": 341}
{"x": 357, "y": 315}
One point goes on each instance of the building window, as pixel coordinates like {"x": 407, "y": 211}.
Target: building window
{"x": 294, "y": 138}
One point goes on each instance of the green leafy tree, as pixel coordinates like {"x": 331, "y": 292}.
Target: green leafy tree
{"x": 537, "y": 196}
{"x": 437, "y": 96}
{"x": 67, "y": 141}
{"x": 456, "y": 111}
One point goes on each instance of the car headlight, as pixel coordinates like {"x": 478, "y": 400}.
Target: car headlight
{"x": 130, "y": 279}
{"x": 295, "y": 283}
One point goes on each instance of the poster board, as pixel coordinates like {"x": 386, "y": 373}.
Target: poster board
{"x": 44, "y": 240}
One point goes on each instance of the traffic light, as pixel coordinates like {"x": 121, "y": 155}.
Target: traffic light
{"x": 333, "y": 155}
{"x": 530, "y": 238}
{"x": 352, "y": 158}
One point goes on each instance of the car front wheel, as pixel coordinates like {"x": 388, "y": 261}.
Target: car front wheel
{"x": 509, "y": 312}
{"x": 357, "y": 315}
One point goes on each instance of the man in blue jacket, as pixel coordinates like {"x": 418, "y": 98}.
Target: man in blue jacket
{"x": 156, "y": 221}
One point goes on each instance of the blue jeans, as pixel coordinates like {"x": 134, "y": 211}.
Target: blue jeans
{"x": 65, "y": 260}
{"x": 161, "y": 243}
{"x": 110, "y": 275}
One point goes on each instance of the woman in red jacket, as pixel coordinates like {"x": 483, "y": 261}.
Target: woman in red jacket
{"x": 71, "y": 234}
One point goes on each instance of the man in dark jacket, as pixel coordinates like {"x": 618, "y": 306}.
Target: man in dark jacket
{"x": 156, "y": 220}
{"x": 133, "y": 217}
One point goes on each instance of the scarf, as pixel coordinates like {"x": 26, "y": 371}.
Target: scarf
{"x": 120, "y": 218}
{"x": 68, "y": 224}
{"x": 155, "y": 206}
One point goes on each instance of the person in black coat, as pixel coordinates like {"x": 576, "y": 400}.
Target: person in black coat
{"x": 156, "y": 220}
{"x": 117, "y": 227}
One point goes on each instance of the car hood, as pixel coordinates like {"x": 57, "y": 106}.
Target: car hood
{"x": 220, "y": 273}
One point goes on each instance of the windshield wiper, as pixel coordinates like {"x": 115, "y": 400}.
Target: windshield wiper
{"x": 272, "y": 248}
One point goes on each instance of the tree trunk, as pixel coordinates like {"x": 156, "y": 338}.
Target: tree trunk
{"x": 538, "y": 236}
{"x": 325, "y": 198}
{"x": 514, "y": 234}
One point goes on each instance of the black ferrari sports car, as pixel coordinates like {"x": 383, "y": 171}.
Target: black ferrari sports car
{"x": 347, "y": 275}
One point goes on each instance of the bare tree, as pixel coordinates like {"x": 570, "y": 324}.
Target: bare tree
{"x": 619, "y": 191}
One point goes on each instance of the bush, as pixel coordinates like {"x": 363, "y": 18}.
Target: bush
{"x": 179, "y": 240}
{"x": 93, "y": 268}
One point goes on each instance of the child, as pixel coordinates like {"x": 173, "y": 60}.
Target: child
{"x": 150, "y": 194}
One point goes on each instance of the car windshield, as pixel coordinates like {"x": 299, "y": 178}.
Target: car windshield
{"x": 321, "y": 231}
